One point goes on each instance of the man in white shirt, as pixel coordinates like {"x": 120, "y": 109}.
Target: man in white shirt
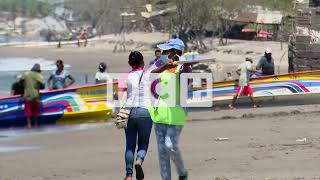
{"x": 244, "y": 88}
{"x": 102, "y": 75}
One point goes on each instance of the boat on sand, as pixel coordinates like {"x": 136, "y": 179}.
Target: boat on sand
{"x": 86, "y": 103}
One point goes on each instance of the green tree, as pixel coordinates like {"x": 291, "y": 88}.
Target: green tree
{"x": 28, "y": 7}
{"x": 31, "y": 6}
{"x": 44, "y": 8}
{"x": 286, "y": 6}
{"x": 196, "y": 15}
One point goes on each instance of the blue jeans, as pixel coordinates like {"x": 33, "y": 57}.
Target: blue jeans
{"x": 139, "y": 128}
{"x": 257, "y": 74}
{"x": 168, "y": 139}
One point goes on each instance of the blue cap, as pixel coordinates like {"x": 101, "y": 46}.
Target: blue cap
{"x": 172, "y": 44}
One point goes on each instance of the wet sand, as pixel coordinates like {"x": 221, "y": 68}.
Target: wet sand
{"x": 259, "y": 147}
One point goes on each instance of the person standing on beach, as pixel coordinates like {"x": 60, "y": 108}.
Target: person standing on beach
{"x": 139, "y": 124}
{"x": 291, "y": 54}
{"x": 59, "y": 77}
{"x": 102, "y": 75}
{"x": 228, "y": 77}
{"x": 17, "y": 87}
{"x": 157, "y": 54}
{"x": 266, "y": 63}
{"x": 33, "y": 82}
{"x": 244, "y": 88}
{"x": 169, "y": 121}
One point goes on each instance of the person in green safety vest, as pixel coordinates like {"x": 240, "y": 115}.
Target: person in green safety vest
{"x": 169, "y": 120}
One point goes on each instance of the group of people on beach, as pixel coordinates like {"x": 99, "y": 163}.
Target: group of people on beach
{"x": 265, "y": 67}
{"x": 168, "y": 121}
{"x": 80, "y": 35}
{"x": 30, "y": 83}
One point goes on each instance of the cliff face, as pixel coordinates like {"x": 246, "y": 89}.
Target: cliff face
{"x": 32, "y": 27}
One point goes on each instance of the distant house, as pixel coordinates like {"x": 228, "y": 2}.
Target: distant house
{"x": 260, "y": 17}
{"x": 265, "y": 24}
{"x": 158, "y": 16}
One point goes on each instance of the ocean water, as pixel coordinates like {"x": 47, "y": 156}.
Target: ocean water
{"x": 7, "y": 135}
{"x": 10, "y": 67}
{"x": 7, "y": 149}
{"x": 14, "y": 64}
{"x": 10, "y": 39}
{"x": 14, "y": 133}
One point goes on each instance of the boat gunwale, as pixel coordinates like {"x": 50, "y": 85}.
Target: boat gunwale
{"x": 270, "y": 76}
{"x": 59, "y": 90}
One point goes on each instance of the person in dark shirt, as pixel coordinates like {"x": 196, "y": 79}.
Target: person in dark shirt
{"x": 266, "y": 63}
{"x": 17, "y": 87}
{"x": 157, "y": 54}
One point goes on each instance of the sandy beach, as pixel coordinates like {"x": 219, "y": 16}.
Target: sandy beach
{"x": 259, "y": 147}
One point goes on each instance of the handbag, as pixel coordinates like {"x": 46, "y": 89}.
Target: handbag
{"x": 122, "y": 118}
{"x": 124, "y": 113}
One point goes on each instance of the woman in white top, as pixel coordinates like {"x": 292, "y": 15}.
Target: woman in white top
{"x": 139, "y": 123}
{"x": 102, "y": 75}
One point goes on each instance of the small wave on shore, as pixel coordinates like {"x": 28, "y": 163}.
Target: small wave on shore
{"x": 20, "y": 39}
{"x": 10, "y": 134}
{"x": 25, "y": 64}
{"x": 7, "y": 149}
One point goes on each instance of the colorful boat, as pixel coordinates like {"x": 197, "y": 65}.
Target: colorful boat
{"x": 85, "y": 103}
{"x": 285, "y": 86}
{"x": 66, "y": 106}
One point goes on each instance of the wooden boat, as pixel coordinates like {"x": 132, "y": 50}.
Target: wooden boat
{"x": 285, "y": 86}
{"x": 85, "y": 103}
{"x": 66, "y": 106}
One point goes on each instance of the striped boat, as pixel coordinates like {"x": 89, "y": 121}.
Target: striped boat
{"x": 85, "y": 103}
{"x": 73, "y": 105}
{"x": 285, "y": 86}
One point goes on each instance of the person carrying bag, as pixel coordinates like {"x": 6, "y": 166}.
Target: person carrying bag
{"x": 134, "y": 118}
